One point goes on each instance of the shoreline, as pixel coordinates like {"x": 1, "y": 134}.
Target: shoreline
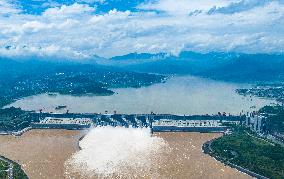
{"x": 12, "y": 166}
{"x": 206, "y": 149}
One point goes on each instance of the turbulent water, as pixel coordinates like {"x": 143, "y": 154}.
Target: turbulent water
{"x": 179, "y": 95}
{"x": 117, "y": 151}
{"x": 42, "y": 154}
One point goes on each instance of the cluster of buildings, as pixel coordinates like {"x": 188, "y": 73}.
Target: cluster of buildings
{"x": 256, "y": 122}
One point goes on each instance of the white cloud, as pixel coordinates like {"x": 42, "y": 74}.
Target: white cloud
{"x": 72, "y": 10}
{"x": 35, "y": 26}
{"x": 184, "y": 6}
{"x": 242, "y": 5}
{"x": 7, "y": 8}
{"x": 91, "y": 1}
{"x": 76, "y": 31}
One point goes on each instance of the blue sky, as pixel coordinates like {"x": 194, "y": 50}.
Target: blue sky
{"x": 80, "y": 29}
{"x": 102, "y": 6}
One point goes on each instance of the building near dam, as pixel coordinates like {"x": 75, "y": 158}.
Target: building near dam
{"x": 188, "y": 125}
{"x": 256, "y": 122}
{"x": 195, "y": 123}
{"x": 63, "y": 123}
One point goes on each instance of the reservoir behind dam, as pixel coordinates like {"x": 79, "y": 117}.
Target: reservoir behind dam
{"x": 178, "y": 95}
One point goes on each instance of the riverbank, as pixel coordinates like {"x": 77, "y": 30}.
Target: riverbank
{"x": 248, "y": 153}
{"x": 10, "y": 169}
{"x": 207, "y": 149}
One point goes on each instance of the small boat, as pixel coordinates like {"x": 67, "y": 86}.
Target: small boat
{"x": 60, "y": 107}
{"x": 51, "y": 94}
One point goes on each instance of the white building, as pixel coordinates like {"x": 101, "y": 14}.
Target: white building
{"x": 187, "y": 123}
{"x": 256, "y": 122}
{"x": 78, "y": 121}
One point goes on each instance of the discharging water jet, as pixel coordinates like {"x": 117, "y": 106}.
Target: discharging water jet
{"x": 118, "y": 151}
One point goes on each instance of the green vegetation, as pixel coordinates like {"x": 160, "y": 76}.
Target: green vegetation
{"x": 247, "y": 150}
{"x": 22, "y": 79}
{"x": 273, "y": 91}
{"x": 15, "y": 119}
{"x": 275, "y": 118}
{"x": 18, "y": 173}
{"x": 3, "y": 169}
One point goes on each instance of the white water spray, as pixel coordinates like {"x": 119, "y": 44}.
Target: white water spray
{"x": 118, "y": 151}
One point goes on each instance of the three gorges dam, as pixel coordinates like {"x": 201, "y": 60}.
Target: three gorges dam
{"x": 156, "y": 122}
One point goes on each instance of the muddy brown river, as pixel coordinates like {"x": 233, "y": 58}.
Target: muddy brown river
{"x": 42, "y": 154}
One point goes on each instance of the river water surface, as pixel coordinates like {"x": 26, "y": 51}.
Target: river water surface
{"x": 178, "y": 95}
{"x": 43, "y": 155}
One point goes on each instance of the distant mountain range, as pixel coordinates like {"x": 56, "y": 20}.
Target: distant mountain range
{"x": 141, "y": 56}
{"x": 223, "y": 66}
{"x": 237, "y": 67}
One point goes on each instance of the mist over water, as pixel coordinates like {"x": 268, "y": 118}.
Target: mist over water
{"x": 118, "y": 151}
{"x": 179, "y": 95}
